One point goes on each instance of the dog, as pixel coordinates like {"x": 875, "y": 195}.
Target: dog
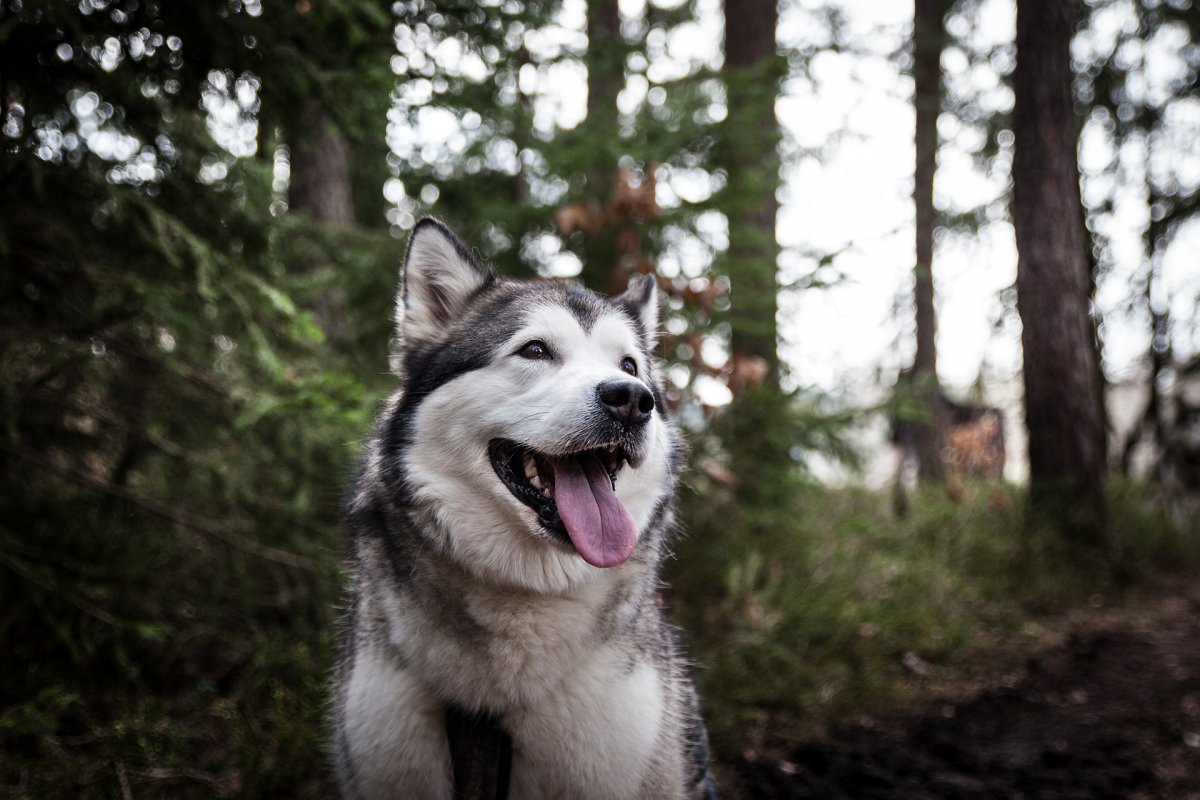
{"x": 512, "y": 509}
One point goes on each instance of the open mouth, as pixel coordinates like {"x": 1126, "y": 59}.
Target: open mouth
{"x": 573, "y": 495}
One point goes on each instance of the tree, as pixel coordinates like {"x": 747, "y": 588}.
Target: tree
{"x": 173, "y": 416}
{"x": 1136, "y": 111}
{"x": 929, "y": 36}
{"x": 1062, "y": 409}
{"x": 320, "y": 187}
{"x": 320, "y": 170}
{"x": 750, "y": 155}
{"x": 606, "y": 76}
{"x": 757, "y": 433}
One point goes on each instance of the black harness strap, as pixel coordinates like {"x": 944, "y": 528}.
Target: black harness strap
{"x": 480, "y": 755}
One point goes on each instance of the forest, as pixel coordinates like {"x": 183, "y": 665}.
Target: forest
{"x": 930, "y": 281}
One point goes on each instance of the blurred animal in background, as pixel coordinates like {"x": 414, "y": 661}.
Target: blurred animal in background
{"x": 973, "y": 448}
{"x": 1179, "y": 462}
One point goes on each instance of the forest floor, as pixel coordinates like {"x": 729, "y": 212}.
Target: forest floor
{"x": 1109, "y": 707}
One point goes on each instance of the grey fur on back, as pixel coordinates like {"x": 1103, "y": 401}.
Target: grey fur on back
{"x": 457, "y": 598}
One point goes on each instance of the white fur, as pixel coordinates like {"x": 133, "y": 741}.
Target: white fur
{"x": 537, "y": 403}
{"x": 396, "y": 731}
{"x": 587, "y": 714}
{"x": 536, "y": 642}
{"x": 433, "y": 269}
{"x": 593, "y": 739}
{"x": 648, "y": 311}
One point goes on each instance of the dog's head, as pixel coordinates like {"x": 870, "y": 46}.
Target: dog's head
{"x": 530, "y": 429}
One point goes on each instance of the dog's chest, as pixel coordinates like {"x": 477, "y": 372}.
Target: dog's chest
{"x": 584, "y": 708}
{"x": 598, "y": 733}
{"x": 497, "y": 651}
{"x": 528, "y": 641}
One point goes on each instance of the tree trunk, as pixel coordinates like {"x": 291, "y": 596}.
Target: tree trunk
{"x": 605, "y": 66}
{"x": 757, "y": 429}
{"x": 752, "y": 161}
{"x": 320, "y": 187}
{"x": 320, "y": 163}
{"x": 1062, "y": 412}
{"x": 928, "y": 41}
{"x": 606, "y": 74}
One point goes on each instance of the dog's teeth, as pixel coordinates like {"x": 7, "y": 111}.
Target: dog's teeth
{"x": 548, "y": 490}
{"x": 530, "y": 467}
{"x": 612, "y": 448}
{"x": 535, "y": 481}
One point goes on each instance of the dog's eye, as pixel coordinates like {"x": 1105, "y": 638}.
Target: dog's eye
{"x": 629, "y": 365}
{"x": 535, "y": 350}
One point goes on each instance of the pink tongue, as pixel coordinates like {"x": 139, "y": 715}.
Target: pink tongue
{"x": 600, "y": 526}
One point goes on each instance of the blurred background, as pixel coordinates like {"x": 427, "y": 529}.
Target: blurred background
{"x": 932, "y": 317}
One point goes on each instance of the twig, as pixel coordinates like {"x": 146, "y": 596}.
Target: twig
{"x": 126, "y": 793}
{"x": 163, "y": 510}
{"x": 80, "y": 603}
{"x": 222, "y": 785}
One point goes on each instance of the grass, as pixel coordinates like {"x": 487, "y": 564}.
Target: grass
{"x": 137, "y": 657}
{"x": 141, "y": 659}
{"x": 845, "y": 611}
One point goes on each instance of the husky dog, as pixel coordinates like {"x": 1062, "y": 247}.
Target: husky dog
{"x": 508, "y": 523}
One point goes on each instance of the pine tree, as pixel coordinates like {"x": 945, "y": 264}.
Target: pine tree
{"x": 1062, "y": 409}
{"x": 1136, "y": 115}
{"x": 757, "y": 434}
{"x": 173, "y": 414}
{"x": 929, "y": 37}
{"x": 606, "y": 76}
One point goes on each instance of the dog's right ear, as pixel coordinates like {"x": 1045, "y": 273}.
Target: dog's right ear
{"x": 438, "y": 281}
{"x": 641, "y": 301}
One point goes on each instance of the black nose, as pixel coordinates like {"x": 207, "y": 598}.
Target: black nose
{"x": 628, "y": 402}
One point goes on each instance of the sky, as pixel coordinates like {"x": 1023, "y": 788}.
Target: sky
{"x": 859, "y": 198}
{"x": 853, "y": 197}
{"x": 846, "y": 183}
{"x": 846, "y": 189}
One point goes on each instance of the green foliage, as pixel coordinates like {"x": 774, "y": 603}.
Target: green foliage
{"x": 846, "y": 611}
{"x": 175, "y": 427}
{"x": 511, "y": 164}
{"x": 787, "y": 430}
{"x": 177, "y": 423}
{"x": 197, "y": 669}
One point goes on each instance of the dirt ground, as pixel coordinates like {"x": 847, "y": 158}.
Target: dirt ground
{"x": 1113, "y": 711}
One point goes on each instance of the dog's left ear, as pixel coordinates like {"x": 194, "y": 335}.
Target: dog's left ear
{"x": 439, "y": 279}
{"x": 641, "y": 300}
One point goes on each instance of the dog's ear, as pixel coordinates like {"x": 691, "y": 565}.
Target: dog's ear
{"x": 439, "y": 279}
{"x": 641, "y": 300}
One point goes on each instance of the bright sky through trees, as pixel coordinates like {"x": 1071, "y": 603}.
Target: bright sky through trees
{"x": 853, "y": 197}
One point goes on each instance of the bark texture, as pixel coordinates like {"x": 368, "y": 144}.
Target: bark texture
{"x": 605, "y": 65}
{"x": 1063, "y": 411}
{"x": 752, "y": 160}
{"x": 758, "y": 429}
{"x": 606, "y": 75}
{"x": 929, "y": 37}
{"x": 321, "y": 187}
{"x": 320, "y": 161}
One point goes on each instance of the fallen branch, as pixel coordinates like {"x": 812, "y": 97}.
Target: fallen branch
{"x": 225, "y": 785}
{"x": 162, "y": 510}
